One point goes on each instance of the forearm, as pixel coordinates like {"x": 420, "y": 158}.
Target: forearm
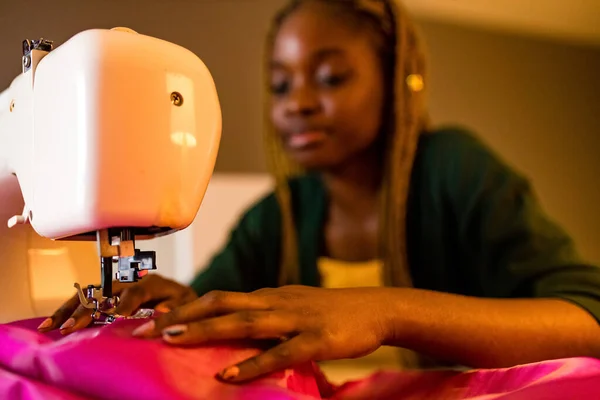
{"x": 489, "y": 333}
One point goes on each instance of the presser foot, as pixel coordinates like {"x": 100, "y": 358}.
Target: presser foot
{"x": 102, "y": 309}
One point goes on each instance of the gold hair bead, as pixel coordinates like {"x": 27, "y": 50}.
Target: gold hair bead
{"x": 415, "y": 82}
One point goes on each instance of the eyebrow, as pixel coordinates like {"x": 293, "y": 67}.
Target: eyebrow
{"x": 319, "y": 55}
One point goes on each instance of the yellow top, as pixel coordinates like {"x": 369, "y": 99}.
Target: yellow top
{"x": 339, "y": 274}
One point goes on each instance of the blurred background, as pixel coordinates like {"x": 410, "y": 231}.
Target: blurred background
{"x": 524, "y": 75}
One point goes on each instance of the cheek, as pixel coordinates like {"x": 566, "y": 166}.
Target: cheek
{"x": 277, "y": 115}
{"x": 358, "y": 114}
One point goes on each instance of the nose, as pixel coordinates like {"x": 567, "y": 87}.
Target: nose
{"x": 303, "y": 101}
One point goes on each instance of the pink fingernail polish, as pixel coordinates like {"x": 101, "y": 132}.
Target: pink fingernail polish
{"x": 68, "y": 324}
{"x": 230, "y": 373}
{"x": 46, "y": 324}
{"x": 143, "y": 329}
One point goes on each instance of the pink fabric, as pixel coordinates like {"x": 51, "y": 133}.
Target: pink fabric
{"x": 575, "y": 378}
{"x": 107, "y": 363}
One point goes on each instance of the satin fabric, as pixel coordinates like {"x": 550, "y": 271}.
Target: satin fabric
{"x": 108, "y": 363}
{"x": 574, "y": 378}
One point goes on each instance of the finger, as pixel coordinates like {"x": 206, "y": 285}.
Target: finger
{"x": 170, "y": 305}
{"x": 150, "y": 288}
{"x": 300, "y": 349}
{"x": 241, "y": 325}
{"x": 81, "y": 318}
{"x": 209, "y": 305}
{"x": 132, "y": 298}
{"x": 60, "y": 316}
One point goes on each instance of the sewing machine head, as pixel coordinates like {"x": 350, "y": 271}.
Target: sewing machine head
{"x": 113, "y": 137}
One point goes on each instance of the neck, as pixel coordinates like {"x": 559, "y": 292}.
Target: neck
{"x": 354, "y": 187}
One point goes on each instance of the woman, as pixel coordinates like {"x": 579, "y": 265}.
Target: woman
{"x": 464, "y": 266}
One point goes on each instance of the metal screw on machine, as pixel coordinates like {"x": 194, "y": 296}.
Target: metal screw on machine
{"x": 176, "y": 99}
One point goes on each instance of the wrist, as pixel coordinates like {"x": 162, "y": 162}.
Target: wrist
{"x": 392, "y": 315}
{"x": 399, "y": 322}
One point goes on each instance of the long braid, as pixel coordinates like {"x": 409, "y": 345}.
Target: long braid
{"x": 282, "y": 169}
{"x": 407, "y": 120}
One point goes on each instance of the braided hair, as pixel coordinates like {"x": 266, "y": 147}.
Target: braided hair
{"x": 404, "y": 69}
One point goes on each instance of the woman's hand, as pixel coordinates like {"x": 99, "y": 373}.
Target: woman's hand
{"x": 315, "y": 324}
{"x": 152, "y": 289}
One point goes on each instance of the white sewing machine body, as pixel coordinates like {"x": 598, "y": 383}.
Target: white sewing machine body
{"x": 112, "y": 132}
{"x": 97, "y": 139}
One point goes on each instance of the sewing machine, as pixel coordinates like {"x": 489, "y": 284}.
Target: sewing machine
{"x": 110, "y": 137}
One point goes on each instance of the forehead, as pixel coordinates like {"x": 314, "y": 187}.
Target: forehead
{"x": 314, "y": 30}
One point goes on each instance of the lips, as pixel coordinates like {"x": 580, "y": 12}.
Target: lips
{"x": 306, "y": 138}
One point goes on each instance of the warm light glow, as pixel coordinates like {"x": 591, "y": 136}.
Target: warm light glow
{"x": 415, "y": 82}
{"x": 52, "y": 274}
{"x": 184, "y": 139}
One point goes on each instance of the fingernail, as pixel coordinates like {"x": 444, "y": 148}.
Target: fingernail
{"x": 46, "y": 324}
{"x": 162, "y": 309}
{"x": 68, "y": 324}
{"x": 175, "y": 330}
{"x": 230, "y": 373}
{"x": 144, "y": 328}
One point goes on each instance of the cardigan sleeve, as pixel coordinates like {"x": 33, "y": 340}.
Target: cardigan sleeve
{"x": 519, "y": 250}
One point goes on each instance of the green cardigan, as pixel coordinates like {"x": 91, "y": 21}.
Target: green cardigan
{"x": 474, "y": 228}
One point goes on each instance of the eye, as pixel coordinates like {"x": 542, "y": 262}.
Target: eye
{"x": 280, "y": 88}
{"x": 329, "y": 78}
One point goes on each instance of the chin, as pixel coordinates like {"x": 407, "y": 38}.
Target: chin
{"x": 313, "y": 162}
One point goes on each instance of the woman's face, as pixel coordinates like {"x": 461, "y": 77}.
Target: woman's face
{"x": 327, "y": 88}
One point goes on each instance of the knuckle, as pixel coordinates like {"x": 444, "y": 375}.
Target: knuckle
{"x": 263, "y": 291}
{"x": 248, "y": 317}
{"x": 282, "y": 352}
{"x": 215, "y": 298}
{"x": 295, "y": 288}
{"x": 248, "y": 322}
{"x": 287, "y": 296}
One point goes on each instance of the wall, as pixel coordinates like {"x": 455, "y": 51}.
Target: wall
{"x": 537, "y": 102}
